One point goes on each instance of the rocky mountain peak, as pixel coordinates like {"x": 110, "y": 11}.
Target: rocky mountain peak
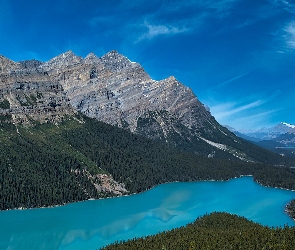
{"x": 117, "y": 91}
{"x": 288, "y": 125}
{"x": 110, "y": 88}
{"x": 91, "y": 58}
{"x": 171, "y": 78}
{"x": 7, "y": 65}
{"x": 112, "y": 53}
{"x": 115, "y": 61}
{"x": 62, "y": 61}
{"x": 29, "y": 65}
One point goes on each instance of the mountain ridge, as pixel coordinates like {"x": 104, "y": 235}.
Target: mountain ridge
{"x": 268, "y": 132}
{"x": 279, "y": 138}
{"x": 119, "y": 92}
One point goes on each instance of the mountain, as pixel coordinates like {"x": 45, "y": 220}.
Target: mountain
{"x": 283, "y": 144}
{"x": 279, "y": 139}
{"x": 271, "y": 132}
{"x": 119, "y": 92}
{"x": 78, "y": 128}
{"x": 242, "y": 135}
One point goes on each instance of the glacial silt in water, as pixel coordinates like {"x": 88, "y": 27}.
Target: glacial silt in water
{"x": 95, "y": 223}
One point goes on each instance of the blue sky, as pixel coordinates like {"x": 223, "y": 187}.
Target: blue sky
{"x": 238, "y": 56}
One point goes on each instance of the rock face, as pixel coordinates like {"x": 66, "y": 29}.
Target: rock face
{"x": 119, "y": 92}
{"x": 28, "y": 93}
{"x": 111, "y": 89}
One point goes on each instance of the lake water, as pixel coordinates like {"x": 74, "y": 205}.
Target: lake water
{"x": 92, "y": 224}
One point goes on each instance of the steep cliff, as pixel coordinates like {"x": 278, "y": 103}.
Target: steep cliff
{"x": 28, "y": 93}
{"x": 118, "y": 91}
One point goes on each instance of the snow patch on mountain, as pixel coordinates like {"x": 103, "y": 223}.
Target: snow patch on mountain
{"x": 288, "y": 125}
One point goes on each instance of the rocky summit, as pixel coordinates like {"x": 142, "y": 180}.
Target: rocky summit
{"x": 117, "y": 91}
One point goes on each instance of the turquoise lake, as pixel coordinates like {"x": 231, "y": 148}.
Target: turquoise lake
{"x": 95, "y": 223}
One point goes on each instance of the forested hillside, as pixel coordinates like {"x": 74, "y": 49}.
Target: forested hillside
{"x": 36, "y": 169}
{"x": 215, "y": 231}
{"x": 218, "y": 142}
{"x": 50, "y": 164}
{"x": 142, "y": 163}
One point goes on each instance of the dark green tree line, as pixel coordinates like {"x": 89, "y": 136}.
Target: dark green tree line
{"x": 215, "y": 231}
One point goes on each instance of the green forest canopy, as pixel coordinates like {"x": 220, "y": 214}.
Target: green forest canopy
{"x": 37, "y": 163}
{"x": 215, "y": 231}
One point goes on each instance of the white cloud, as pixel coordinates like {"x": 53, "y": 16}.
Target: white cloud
{"x": 157, "y": 19}
{"x": 245, "y": 114}
{"x": 229, "y": 109}
{"x": 158, "y": 30}
{"x": 285, "y": 35}
{"x": 254, "y": 122}
{"x": 285, "y": 4}
{"x": 233, "y": 79}
{"x": 290, "y": 35}
{"x": 159, "y": 23}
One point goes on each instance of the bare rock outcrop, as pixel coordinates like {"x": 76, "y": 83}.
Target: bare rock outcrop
{"x": 28, "y": 93}
{"x": 119, "y": 92}
{"x": 7, "y": 65}
{"x": 111, "y": 89}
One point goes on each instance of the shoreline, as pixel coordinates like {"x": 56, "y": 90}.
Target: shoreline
{"x": 286, "y": 210}
{"x": 290, "y": 209}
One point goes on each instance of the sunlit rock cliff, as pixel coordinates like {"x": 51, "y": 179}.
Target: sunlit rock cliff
{"x": 117, "y": 91}
{"x": 28, "y": 93}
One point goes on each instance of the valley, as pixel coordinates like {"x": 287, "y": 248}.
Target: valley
{"x": 94, "y": 224}
{"x": 79, "y": 128}
{"x": 75, "y": 129}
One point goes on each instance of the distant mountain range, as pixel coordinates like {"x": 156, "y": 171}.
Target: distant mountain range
{"x": 279, "y": 138}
